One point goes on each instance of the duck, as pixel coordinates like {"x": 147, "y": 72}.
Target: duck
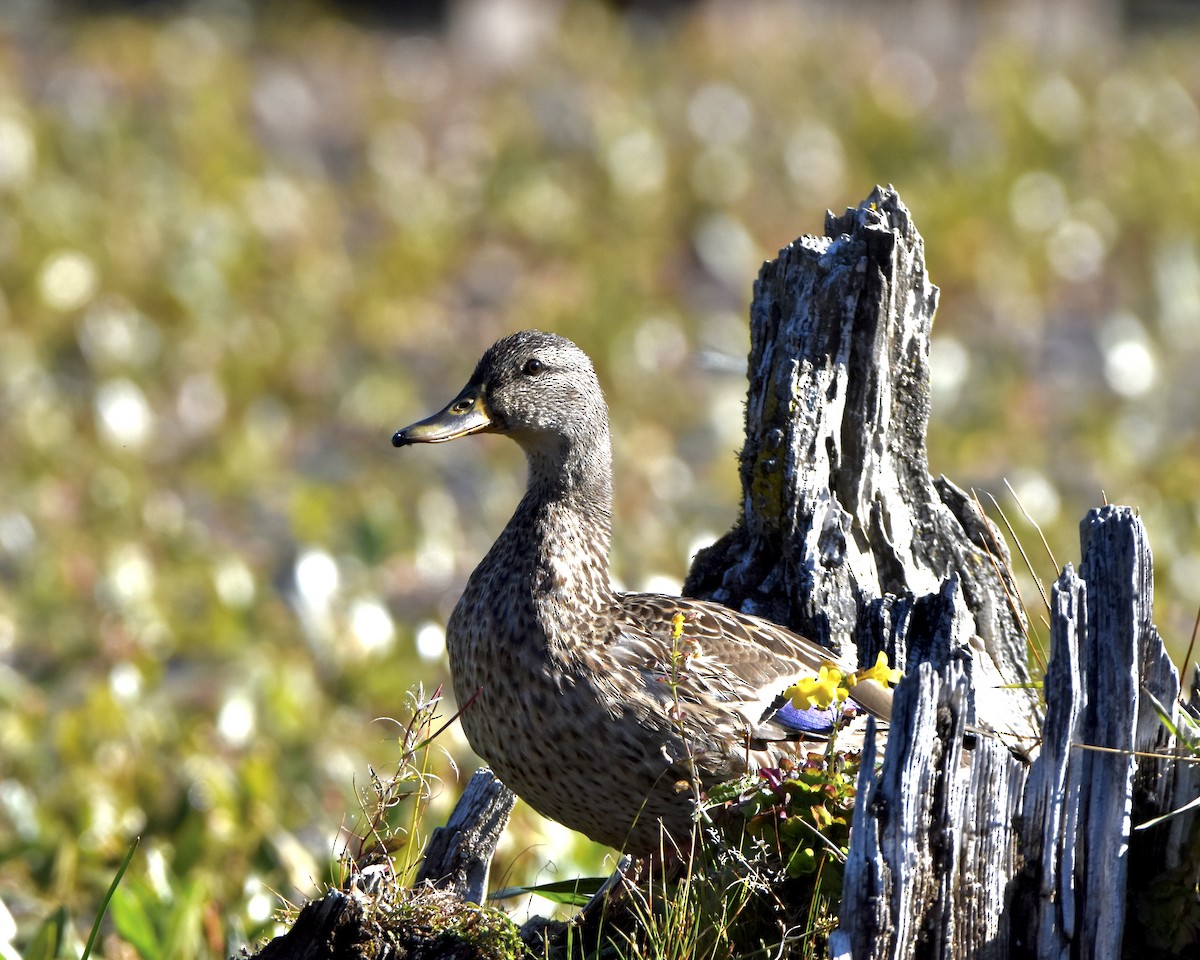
{"x": 609, "y": 712}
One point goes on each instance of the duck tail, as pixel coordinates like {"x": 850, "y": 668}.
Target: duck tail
{"x": 873, "y": 697}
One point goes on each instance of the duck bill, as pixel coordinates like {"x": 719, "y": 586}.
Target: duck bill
{"x": 464, "y": 415}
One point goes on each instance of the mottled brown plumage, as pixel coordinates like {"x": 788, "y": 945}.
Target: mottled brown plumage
{"x": 573, "y": 707}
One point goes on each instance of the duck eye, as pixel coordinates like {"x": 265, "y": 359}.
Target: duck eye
{"x": 533, "y": 366}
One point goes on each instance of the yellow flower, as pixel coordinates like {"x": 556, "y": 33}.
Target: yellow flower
{"x": 881, "y": 673}
{"x": 677, "y": 626}
{"x": 819, "y": 691}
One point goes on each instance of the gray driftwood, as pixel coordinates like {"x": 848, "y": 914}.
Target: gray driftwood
{"x": 993, "y": 859}
{"x": 459, "y": 855}
{"x": 1087, "y": 790}
{"x": 960, "y": 847}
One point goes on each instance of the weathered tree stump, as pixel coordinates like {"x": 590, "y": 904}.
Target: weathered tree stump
{"x": 376, "y": 919}
{"x": 459, "y": 855}
{"x": 959, "y": 848}
{"x": 844, "y": 536}
{"x": 1088, "y": 787}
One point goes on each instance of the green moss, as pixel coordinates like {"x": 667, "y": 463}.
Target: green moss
{"x": 430, "y": 923}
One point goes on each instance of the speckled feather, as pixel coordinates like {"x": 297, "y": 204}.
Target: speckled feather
{"x": 567, "y": 677}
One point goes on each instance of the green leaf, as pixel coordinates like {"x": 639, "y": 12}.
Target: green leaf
{"x": 1185, "y": 731}
{"x": 571, "y": 893}
{"x": 47, "y": 943}
{"x": 183, "y": 935}
{"x": 802, "y": 861}
{"x": 134, "y": 924}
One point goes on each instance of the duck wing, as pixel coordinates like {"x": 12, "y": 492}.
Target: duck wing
{"x": 736, "y": 670}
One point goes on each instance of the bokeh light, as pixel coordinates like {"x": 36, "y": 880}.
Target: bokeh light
{"x": 241, "y": 247}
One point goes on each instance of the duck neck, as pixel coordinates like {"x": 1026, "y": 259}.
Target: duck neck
{"x": 568, "y": 505}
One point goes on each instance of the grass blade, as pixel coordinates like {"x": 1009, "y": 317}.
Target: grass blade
{"x": 112, "y": 888}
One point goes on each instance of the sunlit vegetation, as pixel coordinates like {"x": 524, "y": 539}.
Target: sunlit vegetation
{"x": 236, "y": 253}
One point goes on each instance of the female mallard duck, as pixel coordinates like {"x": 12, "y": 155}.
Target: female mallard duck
{"x": 596, "y": 706}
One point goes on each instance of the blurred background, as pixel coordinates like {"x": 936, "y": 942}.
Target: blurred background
{"x": 241, "y": 244}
